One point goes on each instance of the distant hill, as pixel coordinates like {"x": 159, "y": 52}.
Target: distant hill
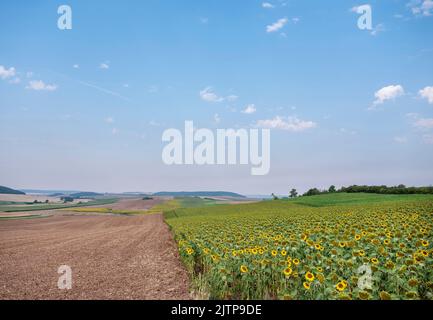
{"x": 198, "y": 194}
{"x": 6, "y": 190}
{"x": 85, "y": 195}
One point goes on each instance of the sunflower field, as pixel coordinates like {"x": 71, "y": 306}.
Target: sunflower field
{"x": 284, "y": 250}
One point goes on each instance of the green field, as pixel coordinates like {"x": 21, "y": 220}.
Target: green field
{"x": 309, "y": 248}
{"x": 13, "y": 207}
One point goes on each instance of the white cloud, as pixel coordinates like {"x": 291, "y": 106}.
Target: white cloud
{"x": 427, "y": 93}
{"x": 76, "y": 66}
{"x": 39, "y": 85}
{"x": 277, "y": 25}
{"x": 292, "y": 124}
{"x": 421, "y": 7}
{"x": 209, "y": 95}
{"x": 250, "y": 109}
{"x": 7, "y": 73}
{"x": 217, "y": 118}
{"x": 388, "y": 93}
{"x": 267, "y": 5}
{"x": 109, "y": 120}
{"x": 104, "y": 66}
{"x": 295, "y": 20}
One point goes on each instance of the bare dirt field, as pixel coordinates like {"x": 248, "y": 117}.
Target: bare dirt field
{"x": 112, "y": 257}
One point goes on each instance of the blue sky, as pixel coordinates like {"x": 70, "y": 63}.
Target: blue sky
{"x": 85, "y": 108}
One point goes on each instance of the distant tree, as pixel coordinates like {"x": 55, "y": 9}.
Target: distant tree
{"x": 293, "y": 193}
{"x": 312, "y": 192}
{"x": 332, "y": 189}
{"x": 67, "y": 199}
{"x": 46, "y": 201}
{"x": 274, "y": 196}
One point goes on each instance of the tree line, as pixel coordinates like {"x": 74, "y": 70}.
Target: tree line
{"x": 400, "y": 189}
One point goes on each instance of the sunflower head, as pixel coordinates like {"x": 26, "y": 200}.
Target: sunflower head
{"x": 309, "y": 276}
{"x": 384, "y": 295}
{"x": 288, "y": 271}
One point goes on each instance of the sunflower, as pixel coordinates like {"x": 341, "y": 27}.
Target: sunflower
{"x": 411, "y": 295}
{"x": 413, "y": 282}
{"x": 374, "y": 260}
{"x": 306, "y": 285}
{"x": 341, "y": 286}
{"x": 309, "y": 276}
{"x": 424, "y": 243}
{"x": 386, "y": 242}
{"x": 274, "y": 253}
{"x": 361, "y": 253}
{"x": 288, "y": 271}
{"x": 424, "y": 253}
{"x": 254, "y": 251}
{"x": 384, "y": 295}
{"x": 320, "y": 277}
{"x": 363, "y": 295}
{"x": 296, "y": 262}
{"x": 283, "y": 253}
{"x": 357, "y": 237}
{"x": 244, "y": 269}
{"x": 341, "y": 244}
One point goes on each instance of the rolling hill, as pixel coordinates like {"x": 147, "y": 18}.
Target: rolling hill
{"x": 6, "y": 190}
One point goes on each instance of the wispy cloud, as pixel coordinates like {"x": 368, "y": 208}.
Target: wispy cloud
{"x": 109, "y": 120}
{"x": 267, "y": 5}
{"x": 276, "y": 25}
{"x": 250, "y": 109}
{"x": 421, "y": 7}
{"x": 377, "y": 29}
{"x": 6, "y": 73}
{"x": 208, "y": 95}
{"x": 115, "y": 94}
{"x": 401, "y": 140}
{"x": 104, "y": 65}
{"x": 292, "y": 124}
{"x": 419, "y": 122}
{"x": 39, "y": 85}
{"x": 217, "y": 118}
{"x": 428, "y": 138}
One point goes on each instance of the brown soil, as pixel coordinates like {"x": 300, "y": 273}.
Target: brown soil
{"x": 111, "y": 257}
